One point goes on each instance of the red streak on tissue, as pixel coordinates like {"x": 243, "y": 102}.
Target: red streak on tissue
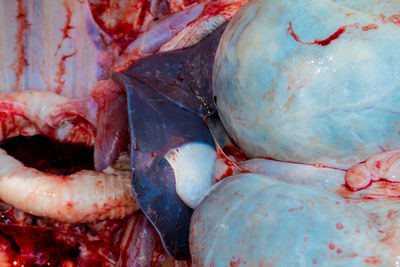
{"x": 20, "y": 61}
{"x": 369, "y": 27}
{"x": 323, "y": 42}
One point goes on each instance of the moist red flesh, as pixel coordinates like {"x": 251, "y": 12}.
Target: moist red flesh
{"x": 122, "y": 32}
{"x": 35, "y": 241}
{"x": 27, "y": 240}
{"x": 48, "y": 155}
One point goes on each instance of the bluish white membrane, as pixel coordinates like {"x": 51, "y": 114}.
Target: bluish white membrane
{"x": 321, "y": 177}
{"x": 193, "y": 166}
{"x": 311, "y": 81}
{"x": 256, "y": 220}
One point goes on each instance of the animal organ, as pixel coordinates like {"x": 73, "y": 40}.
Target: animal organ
{"x": 287, "y": 87}
{"x": 171, "y": 90}
{"x": 74, "y": 57}
{"x": 312, "y": 87}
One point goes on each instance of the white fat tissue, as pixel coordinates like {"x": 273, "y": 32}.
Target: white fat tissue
{"x": 193, "y": 165}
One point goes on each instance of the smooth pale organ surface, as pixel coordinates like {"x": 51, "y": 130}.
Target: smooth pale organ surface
{"x": 325, "y": 178}
{"x": 311, "y": 81}
{"x": 193, "y": 165}
{"x": 254, "y": 220}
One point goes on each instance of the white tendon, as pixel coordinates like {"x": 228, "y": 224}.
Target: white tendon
{"x": 80, "y": 197}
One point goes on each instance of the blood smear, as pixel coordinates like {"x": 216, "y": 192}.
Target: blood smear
{"x": 339, "y": 226}
{"x": 20, "y": 62}
{"x": 323, "y": 42}
{"x": 370, "y": 27}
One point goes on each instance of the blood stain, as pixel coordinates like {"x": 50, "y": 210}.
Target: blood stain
{"x": 323, "y": 42}
{"x": 20, "y": 62}
{"x": 65, "y": 30}
{"x": 61, "y": 71}
{"x": 235, "y": 262}
{"x": 369, "y": 27}
{"x": 339, "y": 226}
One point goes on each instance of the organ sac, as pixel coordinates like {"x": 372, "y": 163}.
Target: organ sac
{"x": 312, "y": 88}
{"x": 316, "y": 84}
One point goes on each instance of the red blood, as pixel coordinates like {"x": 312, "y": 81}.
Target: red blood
{"x": 225, "y": 9}
{"x": 235, "y": 262}
{"x": 180, "y": 78}
{"x": 347, "y": 191}
{"x": 221, "y": 155}
{"x": 339, "y": 226}
{"x": 395, "y": 19}
{"x": 370, "y": 27}
{"x": 378, "y": 164}
{"x": 20, "y": 61}
{"x": 69, "y": 205}
{"x": 314, "y": 261}
{"x": 373, "y": 260}
{"x": 61, "y": 71}
{"x": 230, "y": 150}
{"x": 296, "y": 209}
{"x": 293, "y": 34}
{"x": 323, "y": 42}
{"x": 232, "y": 167}
{"x": 36, "y": 241}
{"x": 339, "y": 251}
{"x": 377, "y": 189}
{"x": 65, "y": 30}
{"x": 390, "y": 235}
{"x": 228, "y": 172}
{"x": 123, "y": 21}
{"x": 332, "y": 246}
{"x": 319, "y": 165}
{"x": 392, "y": 19}
{"x": 334, "y": 36}
{"x": 98, "y": 9}
{"x": 215, "y": 8}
